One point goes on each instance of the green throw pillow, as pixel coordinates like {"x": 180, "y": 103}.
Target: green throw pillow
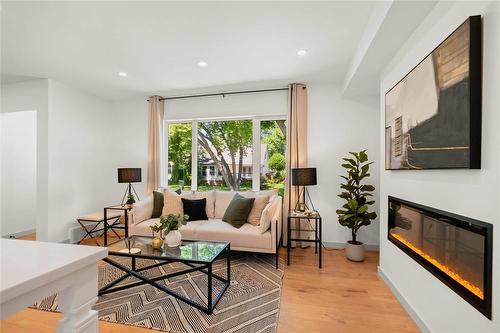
{"x": 157, "y": 204}
{"x": 238, "y": 210}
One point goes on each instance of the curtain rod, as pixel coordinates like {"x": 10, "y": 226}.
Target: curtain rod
{"x": 223, "y": 94}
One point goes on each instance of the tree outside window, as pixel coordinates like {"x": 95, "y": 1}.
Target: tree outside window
{"x": 273, "y": 149}
{"x": 226, "y": 148}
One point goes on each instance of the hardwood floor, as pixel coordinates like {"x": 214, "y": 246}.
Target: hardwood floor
{"x": 342, "y": 297}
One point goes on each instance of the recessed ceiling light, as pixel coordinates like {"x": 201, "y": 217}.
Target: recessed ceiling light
{"x": 122, "y": 74}
{"x": 202, "y": 64}
{"x": 301, "y": 53}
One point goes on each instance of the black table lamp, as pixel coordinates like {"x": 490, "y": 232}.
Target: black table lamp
{"x": 129, "y": 175}
{"x": 304, "y": 177}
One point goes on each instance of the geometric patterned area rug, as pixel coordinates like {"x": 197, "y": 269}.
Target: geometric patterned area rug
{"x": 250, "y": 304}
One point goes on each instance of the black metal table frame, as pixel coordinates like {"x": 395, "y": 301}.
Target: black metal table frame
{"x": 317, "y": 235}
{"x": 195, "y": 265}
{"x": 90, "y": 231}
{"x": 114, "y": 226}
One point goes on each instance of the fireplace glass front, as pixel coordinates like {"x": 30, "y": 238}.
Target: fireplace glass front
{"x": 454, "y": 248}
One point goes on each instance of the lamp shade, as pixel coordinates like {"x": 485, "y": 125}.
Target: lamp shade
{"x": 129, "y": 175}
{"x": 304, "y": 176}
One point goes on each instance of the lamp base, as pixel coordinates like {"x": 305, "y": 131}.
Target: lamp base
{"x": 301, "y": 205}
{"x": 131, "y": 199}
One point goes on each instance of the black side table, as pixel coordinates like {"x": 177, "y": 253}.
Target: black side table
{"x": 317, "y": 232}
{"x": 112, "y": 227}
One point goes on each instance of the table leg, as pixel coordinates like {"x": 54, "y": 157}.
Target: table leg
{"x": 315, "y": 235}
{"x": 288, "y": 242}
{"x": 126, "y": 223}
{"x": 320, "y": 243}
{"x": 228, "y": 263}
{"x": 209, "y": 294}
{"x": 76, "y": 302}
{"x": 105, "y": 227}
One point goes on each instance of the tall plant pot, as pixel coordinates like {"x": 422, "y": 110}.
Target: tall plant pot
{"x": 355, "y": 251}
{"x": 173, "y": 238}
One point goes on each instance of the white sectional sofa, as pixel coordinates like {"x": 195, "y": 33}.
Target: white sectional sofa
{"x": 263, "y": 238}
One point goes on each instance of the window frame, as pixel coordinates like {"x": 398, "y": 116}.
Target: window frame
{"x": 256, "y": 144}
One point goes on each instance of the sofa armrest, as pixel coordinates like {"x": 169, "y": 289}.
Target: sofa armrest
{"x": 276, "y": 221}
{"x": 142, "y": 210}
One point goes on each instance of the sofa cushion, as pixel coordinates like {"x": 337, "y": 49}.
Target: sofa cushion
{"x": 195, "y": 209}
{"x": 210, "y": 206}
{"x": 244, "y": 238}
{"x": 142, "y": 210}
{"x": 172, "y": 203}
{"x": 258, "y": 206}
{"x": 222, "y": 200}
{"x": 270, "y": 193}
{"x": 238, "y": 210}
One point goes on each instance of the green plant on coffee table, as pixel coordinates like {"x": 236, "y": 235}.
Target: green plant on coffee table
{"x": 168, "y": 222}
{"x": 172, "y": 222}
{"x": 155, "y": 228}
{"x": 355, "y": 212}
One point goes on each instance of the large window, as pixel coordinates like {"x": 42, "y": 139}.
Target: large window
{"x": 272, "y": 161}
{"x": 179, "y": 155}
{"x": 233, "y": 154}
{"x": 225, "y": 155}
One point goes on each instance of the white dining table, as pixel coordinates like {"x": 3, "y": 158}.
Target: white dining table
{"x": 31, "y": 271}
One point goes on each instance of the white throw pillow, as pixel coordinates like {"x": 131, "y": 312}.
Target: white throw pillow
{"x": 210, "y": 196}
{"x": 142, "y": 210}
{"x": 261, "y": 201}
{"x": 172, "y": 203}
{"x": 222, "y": 200}
{"x": 267, "y": 215}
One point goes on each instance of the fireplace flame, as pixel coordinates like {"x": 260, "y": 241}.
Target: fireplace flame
{"x": 455, "y": 276}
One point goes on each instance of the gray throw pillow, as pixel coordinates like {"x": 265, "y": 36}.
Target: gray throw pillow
{"x": 238, "y": 210}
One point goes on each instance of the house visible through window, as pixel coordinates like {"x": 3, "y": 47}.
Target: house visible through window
{"x": 225, "y": 156}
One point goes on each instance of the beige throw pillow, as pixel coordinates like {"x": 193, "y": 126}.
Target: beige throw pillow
{"x": 268, "y": 213}
{"x": 210, "y": 196}
{"x": 172, "y": 203}
{"x": 222, "y": 200}
{"x": 258, "y": 206}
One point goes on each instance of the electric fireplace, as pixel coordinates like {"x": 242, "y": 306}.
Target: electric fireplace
{"x": 455, "y": 249}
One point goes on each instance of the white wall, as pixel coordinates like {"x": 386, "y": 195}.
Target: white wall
{"x": 261, "y": 104}
{"x": 33, "y": 95}
{"x": 473, "y": 193}
{"x": 335, "y": 127}
{"x": 131, "y": 150}
{"x": 18, "y": 176}
{"x": 82, "y": 134}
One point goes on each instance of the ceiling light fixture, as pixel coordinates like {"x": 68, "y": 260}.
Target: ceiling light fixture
{"x": 122, "y": 74}
{"x": 301, "y": 53}
{"x": 202, "y": 64}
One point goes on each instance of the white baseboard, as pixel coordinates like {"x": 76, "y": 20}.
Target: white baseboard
{"x": 341, "y": 245}
{"x": 413, "y": 314}
{"x": 20, "y": 234}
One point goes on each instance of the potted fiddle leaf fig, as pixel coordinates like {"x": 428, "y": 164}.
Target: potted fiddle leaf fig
{"x": 355, "y": 212}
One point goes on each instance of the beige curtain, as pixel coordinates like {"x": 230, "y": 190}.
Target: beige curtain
{"x": 296, "y": 146}
{"x": 156, "y": 108}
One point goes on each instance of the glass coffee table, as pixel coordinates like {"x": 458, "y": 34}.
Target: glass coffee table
{"x": 195, "y": 255}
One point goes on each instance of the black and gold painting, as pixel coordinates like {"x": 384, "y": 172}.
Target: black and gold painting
{"x": 433, "y": 115}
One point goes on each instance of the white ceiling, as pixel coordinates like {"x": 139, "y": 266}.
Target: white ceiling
{"x": 159, "y": 44}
